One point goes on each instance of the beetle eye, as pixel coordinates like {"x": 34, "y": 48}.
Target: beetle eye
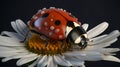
{"x": 45, "y": 15}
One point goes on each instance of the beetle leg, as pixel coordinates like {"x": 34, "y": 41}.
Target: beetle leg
{"x": 46, "y": 44}
{"x": 25, "y": 37}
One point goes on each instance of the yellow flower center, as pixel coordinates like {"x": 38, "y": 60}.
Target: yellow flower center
{"x": 47, "y": 47}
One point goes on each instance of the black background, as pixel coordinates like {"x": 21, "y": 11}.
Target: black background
{"x": 92, "y": 12}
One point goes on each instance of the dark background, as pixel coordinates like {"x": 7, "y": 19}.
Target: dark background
{"x": 92, "y": 12}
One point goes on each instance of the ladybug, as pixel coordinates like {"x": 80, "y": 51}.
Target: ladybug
{"x": 57, "y": 24}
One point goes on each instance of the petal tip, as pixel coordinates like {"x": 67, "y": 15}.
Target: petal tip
{"x": 18, "y": 64}
{"x": 3, "y": 60}
{"x": 106, "y": 23}
{"x": 18, "y": 20}
{"x": 111, "y": 58}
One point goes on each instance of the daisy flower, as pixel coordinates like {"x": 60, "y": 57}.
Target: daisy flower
{"x": 34, "y": 51}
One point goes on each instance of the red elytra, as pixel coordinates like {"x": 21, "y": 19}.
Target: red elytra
{"x": 51, "y": 23}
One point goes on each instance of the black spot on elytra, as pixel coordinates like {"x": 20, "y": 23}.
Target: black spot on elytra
{"x": 57, "y": 22}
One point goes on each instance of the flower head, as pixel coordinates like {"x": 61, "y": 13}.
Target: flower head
{"x": 34, "y": 49}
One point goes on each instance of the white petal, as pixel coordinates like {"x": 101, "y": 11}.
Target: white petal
{"x": 105, "y": 44}
{"x": 6, "y": 49}
{"x": 11, "y": 44}
{"x": 51, "y": 62}
{"x": 108, "y": 38}
{"x": 86, "y": 55}
{"x": 111, "y": 58}
{"x": 75, "y": 53}
{"x": 13, "y": 24}
{"x": 106, "y": 51}
{"x": 19, "y": 55}
{"x": 7, "y": 54}
{"x": 4, "y": 38}
{"x": 74, "y": 61}
{"x": 25, "y": 60}
{"x": 35, "y": 62}
{"x": 96, "y": 39}
{"x": 43, "y": 61}
{"x": 12, "y": 34}
{"x": 109, "y": 50}
{"x": 83, "y": 65}
{"x": 21, "y": 26}
{"x": 7, "y": 41}
{"x": 85, "y": 26}
{"x": 26, "y": 54}
{"x": 14, "y": 50}
{"x": 97, "y": 30}
{"x": 61, "y": 61}
{"x": 91, "y": 56}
